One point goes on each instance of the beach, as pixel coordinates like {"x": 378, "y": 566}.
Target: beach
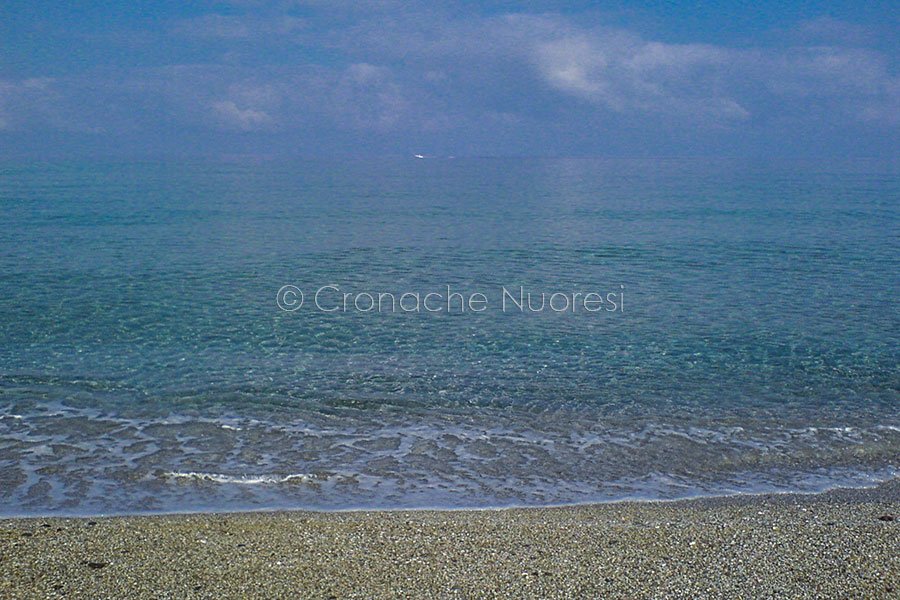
{"x": 842, "y": 543}
{"x": 328, "y": 300}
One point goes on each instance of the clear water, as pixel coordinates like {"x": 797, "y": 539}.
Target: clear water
{"x": 145, "y": 365}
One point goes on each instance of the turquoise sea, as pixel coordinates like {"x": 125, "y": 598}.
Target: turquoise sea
{"x": 146, "y": 365}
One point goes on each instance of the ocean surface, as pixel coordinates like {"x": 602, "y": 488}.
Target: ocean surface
{"x": 147, "y": 362}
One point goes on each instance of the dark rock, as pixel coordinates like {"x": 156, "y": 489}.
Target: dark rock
{"x": 95, "y": 564}
{"x": 887, "y": 518}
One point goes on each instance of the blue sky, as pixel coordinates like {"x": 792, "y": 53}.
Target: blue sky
{"x": 318, "y": 77}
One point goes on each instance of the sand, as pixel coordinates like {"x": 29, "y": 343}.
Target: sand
{"x": 842, "y": 544}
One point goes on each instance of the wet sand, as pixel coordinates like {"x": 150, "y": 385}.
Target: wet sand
{"x": 845, "y": 543}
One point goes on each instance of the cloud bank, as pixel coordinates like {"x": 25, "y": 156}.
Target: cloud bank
{"x": 340, "y": 79}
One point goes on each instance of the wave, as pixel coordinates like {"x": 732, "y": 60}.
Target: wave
{"x": 244, "y": 479}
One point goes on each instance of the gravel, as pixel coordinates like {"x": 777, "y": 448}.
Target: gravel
{"x": 842, "y": 544}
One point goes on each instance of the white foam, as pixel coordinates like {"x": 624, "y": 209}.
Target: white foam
{"x": 243, "y": 479}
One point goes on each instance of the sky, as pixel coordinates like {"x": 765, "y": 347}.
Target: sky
{"x": 462, "y": 78}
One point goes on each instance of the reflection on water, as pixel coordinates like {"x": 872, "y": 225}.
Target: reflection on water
{"x": 146, "y": 366}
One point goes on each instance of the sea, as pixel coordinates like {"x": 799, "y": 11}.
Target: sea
{"x": 398, "y": 333}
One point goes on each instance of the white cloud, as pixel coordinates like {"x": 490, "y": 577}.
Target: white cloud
{"x": 623, "y": 73}
{"x": 246, "y": 119}
{"x": 573, "y": 66}
{"x": 831, "y": 30}
{"x": 367, "y": 96}
{"x": 237, "y": 27}
{"x": 40, "y": 103}
{"x": 468, "y": 76}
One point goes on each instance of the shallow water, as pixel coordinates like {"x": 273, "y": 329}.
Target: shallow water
{"x": 145, "y": 364}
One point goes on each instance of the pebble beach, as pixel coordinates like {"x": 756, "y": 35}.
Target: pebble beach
{"x": 840, "y": 544}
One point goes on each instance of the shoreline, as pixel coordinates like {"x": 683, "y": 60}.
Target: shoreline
{"x": 837, "y": 543}
{"x": 887, "y": 489}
